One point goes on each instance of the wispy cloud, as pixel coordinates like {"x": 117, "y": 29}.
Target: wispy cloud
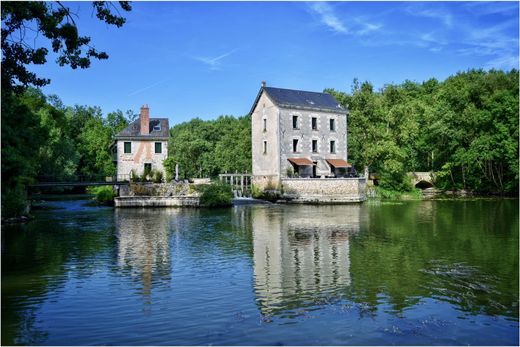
{"x": 214, "y": 63}
{"x": 435, "y": 13}
{"x": 328, "y": 17}
{"x": 135, "y": 92}
{"x": 485, "y": 8}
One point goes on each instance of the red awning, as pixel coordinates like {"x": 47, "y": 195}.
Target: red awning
{"x": 300, "y": 161}
{"x": 338, "y": 163}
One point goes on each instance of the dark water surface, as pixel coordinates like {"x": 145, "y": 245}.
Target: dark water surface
{"x": 428, "y": 272}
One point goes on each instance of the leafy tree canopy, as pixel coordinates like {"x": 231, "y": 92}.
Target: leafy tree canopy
{"x": 55, "y": 22}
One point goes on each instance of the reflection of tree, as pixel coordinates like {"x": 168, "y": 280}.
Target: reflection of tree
{"x": 34, "y": 263}
{"x": 301, "y": 254}
{"x": 143, "y": 244}
{"x": 465, "y": 253}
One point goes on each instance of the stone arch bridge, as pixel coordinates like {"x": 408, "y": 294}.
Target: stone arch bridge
{"x": 422, "y": 180}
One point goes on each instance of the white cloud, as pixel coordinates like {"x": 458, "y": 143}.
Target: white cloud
{"x": 437, "y": 13}
{"x": 503, "y": 62}
{"x": 328, "y": 17}
{"x": 135, "y": 92}
{"x": 214, "y": 63}
{"x": 359, "y": 26}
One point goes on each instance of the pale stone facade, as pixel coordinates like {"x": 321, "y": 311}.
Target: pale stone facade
{"x": 298, "y": 134}
{"x": 142, "y": 152}
{"x": 142, "y": 145}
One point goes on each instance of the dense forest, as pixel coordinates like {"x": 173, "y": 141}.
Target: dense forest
{"x": 464, "y": 129}
{"x": 43, "y": 138}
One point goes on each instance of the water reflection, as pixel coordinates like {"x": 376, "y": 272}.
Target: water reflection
{"x": 301, "y": 256}
{"x": 143, "y": 245}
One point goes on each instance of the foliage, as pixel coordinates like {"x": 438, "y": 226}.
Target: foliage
{"x": 14, "y": 202}
{"x": 207, "y": 148}
{"x": 104, "y": 194}
{"x": 464, "y": 129}
{"x": 256, "y": 192}
{"x": 28, "y": 23}
{"x": 215, "y": 194}
{"x": 157, "y": 176}
{"x": 41, "y": 137}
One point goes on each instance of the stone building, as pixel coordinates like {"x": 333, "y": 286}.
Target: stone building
{"x": 302, "y": 135}
{"x": 142, "y": 145}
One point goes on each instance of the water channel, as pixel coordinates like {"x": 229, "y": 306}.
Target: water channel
{"x": 406, "y": 273}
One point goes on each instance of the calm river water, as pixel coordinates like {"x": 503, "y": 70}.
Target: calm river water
{"x": 427, "y": 272}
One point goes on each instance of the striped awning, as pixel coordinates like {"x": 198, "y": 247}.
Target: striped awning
{"x": 338, "y": 163}
{"x": 300, "y": 161}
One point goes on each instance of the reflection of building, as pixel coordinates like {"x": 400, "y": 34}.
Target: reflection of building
{"x": 143, "y": 244}
{"x": 301, "y": 253}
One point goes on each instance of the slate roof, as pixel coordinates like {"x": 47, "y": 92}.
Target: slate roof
{"x": 300, "y": 99}
{"x": 134, "y": 129}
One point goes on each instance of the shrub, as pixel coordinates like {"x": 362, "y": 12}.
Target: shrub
{"x": 215, "y": 194}
{"x": 256, "y": 192}
{"x": 14, "y": 202}
{"x": 158, "y": 176}
{"x": 104, "y": 194}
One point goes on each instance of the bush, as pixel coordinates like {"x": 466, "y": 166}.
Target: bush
{"x": 256, "y": 192}
{"x": 157, "y": 176}
{"x": 104, "y": 194}
{"x": 14, "y": 203}
{"x": 215, "y": 194}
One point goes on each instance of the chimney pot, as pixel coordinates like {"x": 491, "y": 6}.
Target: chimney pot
{"x": 263, "y": 83}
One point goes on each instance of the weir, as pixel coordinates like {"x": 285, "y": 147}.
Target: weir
{"x": 240, "y": 184}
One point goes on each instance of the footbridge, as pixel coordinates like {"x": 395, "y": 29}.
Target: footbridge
{"x": 79, "y": 181}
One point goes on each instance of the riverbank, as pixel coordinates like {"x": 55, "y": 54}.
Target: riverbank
{"x": 377, "y": 193}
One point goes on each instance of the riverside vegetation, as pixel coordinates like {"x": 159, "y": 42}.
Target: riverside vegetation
{"x": 464, "y": 129}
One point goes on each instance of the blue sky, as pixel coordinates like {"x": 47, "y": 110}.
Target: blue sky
{"x": 205, "y": 59}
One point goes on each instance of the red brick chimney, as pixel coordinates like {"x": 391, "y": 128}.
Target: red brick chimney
{"x": 145, "y": 120}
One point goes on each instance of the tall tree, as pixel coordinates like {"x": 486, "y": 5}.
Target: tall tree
{"x": 55, "y": 22}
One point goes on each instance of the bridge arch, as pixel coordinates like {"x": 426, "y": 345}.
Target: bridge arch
{"x": 423, "y": 184}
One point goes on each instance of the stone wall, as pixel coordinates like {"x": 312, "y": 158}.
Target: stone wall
{"x": 329, "y": 190}
{"x": 266, "y": 182}
{"x": 157, "y": 195}
{"x": 157, "y": 201}
{"x": 157, "y": 189}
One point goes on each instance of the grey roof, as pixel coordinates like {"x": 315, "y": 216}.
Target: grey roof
{"x": 134, "y": 129}
{"x": 290, "y": 98}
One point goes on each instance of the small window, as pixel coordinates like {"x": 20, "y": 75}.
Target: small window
{"x": 332, "y": 125}
{"x": 265, "y": 147}
{"x": 295, "y": 122}
{"x": 295, "y": 145}
{"x": 157, "y": 127}
{"x": 147, "y": 168}
{"x": 158, "y": 147}
{"x": 332, "y": 146}
{"x": 314, "y": 123}
{"x": 265, "y": 124}
{"x": 314, "y": 146}
{"x": 128, "y": 147}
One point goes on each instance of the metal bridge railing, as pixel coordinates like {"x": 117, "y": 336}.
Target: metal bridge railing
{"x": 82, "y": 178}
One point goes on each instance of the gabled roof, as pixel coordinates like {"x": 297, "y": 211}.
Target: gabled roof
{"x": 134, "y": 129}
{"x": 300, "y": 99}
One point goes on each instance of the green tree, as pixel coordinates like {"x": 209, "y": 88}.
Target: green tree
{"x": 55, "y": 22}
